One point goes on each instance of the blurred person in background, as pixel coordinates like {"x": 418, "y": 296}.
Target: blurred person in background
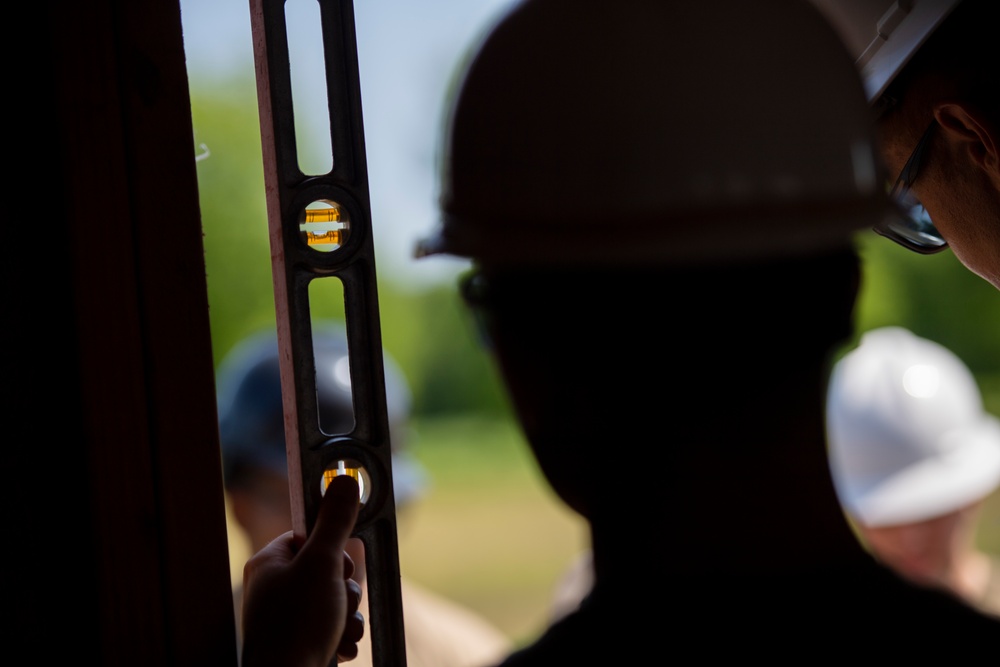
{"x": 913, "y": 456}
{"x": 439, "y": 632}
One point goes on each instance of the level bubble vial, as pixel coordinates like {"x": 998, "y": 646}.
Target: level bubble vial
{"x": 352, "y": 468}
{"x": 324, "y": 225}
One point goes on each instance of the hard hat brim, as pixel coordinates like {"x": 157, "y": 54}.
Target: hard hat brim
{"x": 934, "y": 486}
{"x": 754, "y": 232}
{"x": 881, "y": 37}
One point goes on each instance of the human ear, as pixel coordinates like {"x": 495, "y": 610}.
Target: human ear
{"x": 969, "y": 131}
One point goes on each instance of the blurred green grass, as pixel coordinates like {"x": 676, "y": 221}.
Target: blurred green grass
{"x": 489, "y": 533}
{"x": 492, "y": 535}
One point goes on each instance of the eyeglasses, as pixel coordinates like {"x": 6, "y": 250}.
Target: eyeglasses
{"x": 474, "y": 289}
{"x": 912, "y": 227}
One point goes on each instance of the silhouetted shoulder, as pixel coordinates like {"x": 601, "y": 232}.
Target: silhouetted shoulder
{"x": 817, "y": 614}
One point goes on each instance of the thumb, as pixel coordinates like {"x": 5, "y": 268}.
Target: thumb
{"x": 335, "y": 520}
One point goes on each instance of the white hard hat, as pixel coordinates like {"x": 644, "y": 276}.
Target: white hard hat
{"x": 635, "y": 131}
{"x": 908, "y": 436}
{"x": 883, "y": 35}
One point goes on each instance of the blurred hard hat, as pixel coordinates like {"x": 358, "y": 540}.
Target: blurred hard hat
{"x": 909, "y": 438}
{"x": 638, "y": 131}
{"x": 882, "y": 35}
{"x": 251, "y": 414}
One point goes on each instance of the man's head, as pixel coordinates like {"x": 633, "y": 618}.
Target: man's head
{"x": 912, "y": 451}
{"x": 933, "y": 80}
{"x": 643, "y": 133}
{"x": 616, "y": 374}
{"x": 252, "y": 427}
{"x": 650, "y": 191}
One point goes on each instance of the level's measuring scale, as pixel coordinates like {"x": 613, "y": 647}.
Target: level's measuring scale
{"x": 320, "y": 229}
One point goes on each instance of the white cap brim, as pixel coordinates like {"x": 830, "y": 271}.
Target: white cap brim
{"x": 935, "y": 486}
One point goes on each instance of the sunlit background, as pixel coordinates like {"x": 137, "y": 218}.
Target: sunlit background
{"x": 489, "y": 533}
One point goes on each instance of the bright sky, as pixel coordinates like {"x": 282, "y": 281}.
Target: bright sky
{"x": 407, "y": 50}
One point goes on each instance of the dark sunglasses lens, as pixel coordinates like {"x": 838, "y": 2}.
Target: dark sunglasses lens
{"x": 912, "y": 227}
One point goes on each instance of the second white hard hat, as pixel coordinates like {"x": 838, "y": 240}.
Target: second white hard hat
{"x": 909, "y": 438}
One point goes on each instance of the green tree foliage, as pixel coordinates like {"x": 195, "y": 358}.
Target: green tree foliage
{"x": 936, "y": 297}
{"x": 444, "y": 354}
{"x": 426, "y": 331}
{"x": 233, "y": 212}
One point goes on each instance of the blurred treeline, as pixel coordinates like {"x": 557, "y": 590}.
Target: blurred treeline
{"x": 427, "y": 332}
{"x": 938, "y": 298}
{"x": 424, "y": 328}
